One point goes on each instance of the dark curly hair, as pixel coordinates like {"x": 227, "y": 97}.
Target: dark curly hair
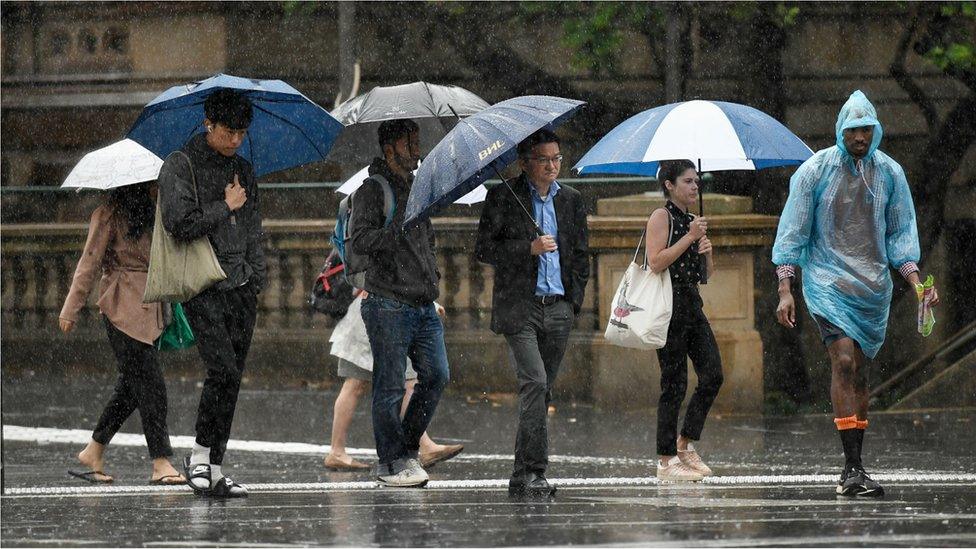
{"x": 133, "y": 209}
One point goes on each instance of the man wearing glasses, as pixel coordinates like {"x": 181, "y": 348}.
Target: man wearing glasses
{"x": 541, "y": 268}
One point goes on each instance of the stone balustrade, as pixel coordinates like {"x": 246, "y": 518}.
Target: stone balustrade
{"x": 291, "y": 342}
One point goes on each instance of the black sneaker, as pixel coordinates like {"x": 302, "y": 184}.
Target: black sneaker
{"x": 855, "y": 482}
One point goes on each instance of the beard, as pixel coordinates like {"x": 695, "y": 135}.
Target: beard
{"x": 405, "y": 163}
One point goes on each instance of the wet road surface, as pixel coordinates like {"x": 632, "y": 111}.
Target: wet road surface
{"x": 774, "y": 485}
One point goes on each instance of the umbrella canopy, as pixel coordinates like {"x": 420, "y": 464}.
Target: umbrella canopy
{"x": 427, "y": 104}
{"x": 354, "y": 182}
{"x": 288, "y": 129}
{"x": 480, "y": 146}
{"x": 121, "y": 163}
{"x": 715, "y": 134}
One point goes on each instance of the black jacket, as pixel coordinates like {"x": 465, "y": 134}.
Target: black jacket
{"x": 402, "y": 263}
{"x": 505, "y": 236}
{"x": 237, "y": 239}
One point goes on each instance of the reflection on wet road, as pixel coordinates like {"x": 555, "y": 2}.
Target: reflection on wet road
{"x": 774, "y": 485}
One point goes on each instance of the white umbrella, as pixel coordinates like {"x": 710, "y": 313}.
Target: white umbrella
{"x": 477, "y": 195}
{"x": 123, "y": 163}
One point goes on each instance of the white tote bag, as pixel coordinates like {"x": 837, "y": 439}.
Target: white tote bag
{"x": 349, "y": 339}
{"x": 642, "y": 306}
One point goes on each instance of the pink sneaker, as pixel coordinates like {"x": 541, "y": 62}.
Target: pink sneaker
{"x": 676, "y": 471}
{"x": 693, "y": 461}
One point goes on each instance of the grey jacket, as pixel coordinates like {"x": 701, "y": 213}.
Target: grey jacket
{"x": 237, "y": 237}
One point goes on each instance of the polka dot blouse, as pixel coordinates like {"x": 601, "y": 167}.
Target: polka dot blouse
{"x": 686, "y": 269}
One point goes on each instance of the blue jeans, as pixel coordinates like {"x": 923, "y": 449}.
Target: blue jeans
{"x": 397, "y": 331}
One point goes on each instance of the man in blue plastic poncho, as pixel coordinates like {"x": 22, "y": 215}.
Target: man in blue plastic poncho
{"x": 848, "y": 217}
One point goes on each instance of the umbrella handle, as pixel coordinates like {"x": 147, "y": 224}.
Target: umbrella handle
{"x": 702, "y": 265}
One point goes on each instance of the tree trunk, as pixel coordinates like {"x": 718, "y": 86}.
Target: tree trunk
{"x": 939, "y": 160}
{"x": 673, "y": 54}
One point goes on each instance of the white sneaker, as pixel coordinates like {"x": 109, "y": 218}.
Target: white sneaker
{"x": 676, "y": 471}
{"x": 694, "y": 462}
{"x": 413, "y": 476}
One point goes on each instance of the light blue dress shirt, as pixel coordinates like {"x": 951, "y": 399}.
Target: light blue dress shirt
{"x": 549, "y": 281}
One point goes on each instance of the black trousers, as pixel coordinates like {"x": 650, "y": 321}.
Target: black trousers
{"x": 223, "y": 322}
{"x": 536, "y": 352}
{"x": 689, "y": 336}
{"x": 140, "y": 387}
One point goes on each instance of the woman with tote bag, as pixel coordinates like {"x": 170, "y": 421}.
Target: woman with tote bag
{"x": 117, "y": 248}
{"x": 689, "y": 333}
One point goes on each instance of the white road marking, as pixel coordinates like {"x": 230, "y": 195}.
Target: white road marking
{"x": 44, "y": 435}
{"x": 48, "y": 435}
{"x": 491, "y": 484}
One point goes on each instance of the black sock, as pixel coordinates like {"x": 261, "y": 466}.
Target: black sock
{"x": 851, "y": 440}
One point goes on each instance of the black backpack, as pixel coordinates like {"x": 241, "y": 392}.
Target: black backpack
{"x": 331, "y": 292}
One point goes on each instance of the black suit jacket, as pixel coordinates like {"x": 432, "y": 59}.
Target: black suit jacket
{"x": 505, "y": 236}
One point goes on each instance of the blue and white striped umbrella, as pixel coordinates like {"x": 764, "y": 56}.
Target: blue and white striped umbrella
{"x": 714, "y": 134}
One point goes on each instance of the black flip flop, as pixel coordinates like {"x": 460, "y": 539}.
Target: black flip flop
{"x": 161, "y": 481}
{"x": 200, "y": 470}
{"x": 89, "y": 476}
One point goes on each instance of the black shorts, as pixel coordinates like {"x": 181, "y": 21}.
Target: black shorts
{"x": 829, "y": 332}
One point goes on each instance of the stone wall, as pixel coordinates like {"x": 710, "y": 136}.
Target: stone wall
{"x": 291, "y": 343}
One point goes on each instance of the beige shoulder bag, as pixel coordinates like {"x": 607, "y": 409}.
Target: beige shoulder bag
{"x": 180, "y": 270}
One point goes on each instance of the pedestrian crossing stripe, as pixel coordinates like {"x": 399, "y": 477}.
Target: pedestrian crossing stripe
{"x": 913, "y": 478}
{"x": 48, "y": 435}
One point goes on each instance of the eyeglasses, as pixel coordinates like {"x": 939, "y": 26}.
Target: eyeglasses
{"x": 543, "y": 160}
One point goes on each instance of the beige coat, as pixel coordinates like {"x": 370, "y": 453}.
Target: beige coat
{"x": 123, "y": 264}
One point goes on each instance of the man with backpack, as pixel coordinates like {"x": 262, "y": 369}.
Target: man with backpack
{"x": 401, "y": 278}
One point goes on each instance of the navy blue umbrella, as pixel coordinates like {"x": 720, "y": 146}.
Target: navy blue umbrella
{"x": 288, "y": 129}
{"x": 479, "y": 147}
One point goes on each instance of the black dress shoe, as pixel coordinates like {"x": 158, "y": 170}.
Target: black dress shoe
{"x": 532, "y": 485}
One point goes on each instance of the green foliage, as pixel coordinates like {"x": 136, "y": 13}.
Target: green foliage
{"x": 595, "y": 39}
{"x": 966, "y": 9}
{"x": 786, "y": 15}
{"x": 949, "y": 45}
{"x": 782, "y": 14}
{"x": 955, "y": 56}
{"x": 596, "y": 31}
{"x": 298, "y": 7}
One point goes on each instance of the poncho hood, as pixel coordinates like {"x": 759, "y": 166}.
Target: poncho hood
{"x": 857, "y": 112}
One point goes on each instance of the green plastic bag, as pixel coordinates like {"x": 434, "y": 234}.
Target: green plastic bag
{"x": 177, "y": 334}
